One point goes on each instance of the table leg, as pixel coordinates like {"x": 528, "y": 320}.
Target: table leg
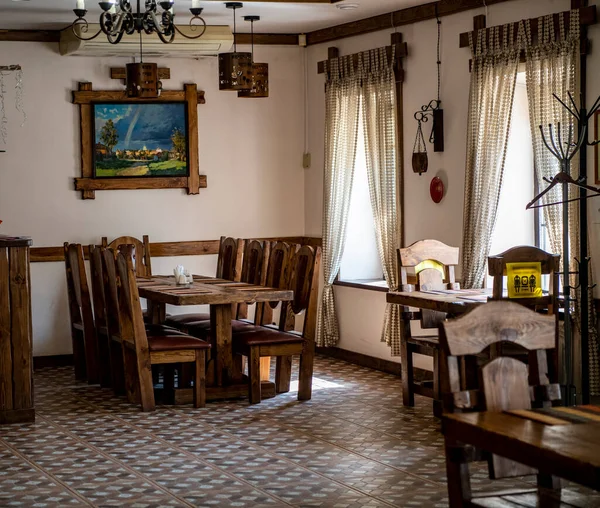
{"x": 406, "y": 361}
{"x": 157, "y": 312}
{"x": 221, "y": 330}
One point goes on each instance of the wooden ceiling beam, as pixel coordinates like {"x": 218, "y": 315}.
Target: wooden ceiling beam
{"x": 54, "y": 36}
{"x": 395, "y": 19}
{"x": 30, "y": 35}
{"x": 268, "y": 39}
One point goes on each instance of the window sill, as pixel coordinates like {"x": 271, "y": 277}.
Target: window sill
{"x": 368, "y": 284}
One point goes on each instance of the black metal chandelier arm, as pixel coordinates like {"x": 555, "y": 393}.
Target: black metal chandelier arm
{"x": 193, "y": 27}
{"x": 84, "y": 28}
{"x": 170, "y": 36}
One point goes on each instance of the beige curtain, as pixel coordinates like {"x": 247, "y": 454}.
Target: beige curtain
{"x": 553, "y": 68}
{"x": 341, "y": 132}
{"x": 493, "y": 78}
{"x": 379, "y": 117}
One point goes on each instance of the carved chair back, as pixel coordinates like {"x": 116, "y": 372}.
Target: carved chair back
{"x": 141, "y": 256}
{"x": 434, "y": 265}
{"x": 502, "y": 383}
{"x": 254, "y": 271}
{"x": 229, "y": 264}
{"x": 82, "y": 319}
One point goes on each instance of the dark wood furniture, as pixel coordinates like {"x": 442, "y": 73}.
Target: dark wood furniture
{"x": 16, "y": 341}
{"x": 83, "y": 329}
{"x": 501, "y": 384}
{"x": 433, "y": 264}
{"x": 297, "y": 268}
{"x": 141, "y": 256}
{"x": 141, "y": 351}
{"x": 220, "y": 294}
{"x": 100, "y": 317}
{"x": 229, "y": 267}
{"x": 550, "y": 266}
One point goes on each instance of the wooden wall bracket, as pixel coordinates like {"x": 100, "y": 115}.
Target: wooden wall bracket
{"x": 85, "y": 97}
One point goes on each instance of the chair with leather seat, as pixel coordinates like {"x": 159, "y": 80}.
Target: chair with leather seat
{"x": 433, "y": 263}
{"x": 301, "y": 276}
{"x": 83, "y": 330}
{"x": 141, "y": 351}
{"x": 229, "y": 266}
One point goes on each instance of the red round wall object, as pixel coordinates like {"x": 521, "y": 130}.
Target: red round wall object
{"x": 436, "y": 189}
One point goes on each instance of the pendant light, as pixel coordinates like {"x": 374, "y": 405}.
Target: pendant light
{"x": 260, "y": 71}
{"x": 235, "y": 69}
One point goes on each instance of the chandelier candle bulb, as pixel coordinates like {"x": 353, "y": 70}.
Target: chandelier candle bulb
{"x": 80, "y": 5}
{"x": 195, "y": 4}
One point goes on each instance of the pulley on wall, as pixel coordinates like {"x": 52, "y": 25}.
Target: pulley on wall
{"x": 434, "y": 111}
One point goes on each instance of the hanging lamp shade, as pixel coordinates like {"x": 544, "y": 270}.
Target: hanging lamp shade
{"x": 259, "y": 80}
{"x": 235, "y": 68}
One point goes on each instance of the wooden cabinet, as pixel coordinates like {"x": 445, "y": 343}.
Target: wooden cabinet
{"x": 16, "y": 363}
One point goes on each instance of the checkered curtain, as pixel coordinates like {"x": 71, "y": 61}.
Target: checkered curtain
{"x": 553, "y": 68}
{"x": 493, "y": 78}
{"x": 379, "y": 119}
{"x": 341, "y": 133}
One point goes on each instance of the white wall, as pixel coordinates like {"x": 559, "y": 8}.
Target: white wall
{"x": 250, "y": 150}
{"x": 360, "y": 311}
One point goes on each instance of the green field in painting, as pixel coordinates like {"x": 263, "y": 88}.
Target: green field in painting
{"x": 116, "y": 168}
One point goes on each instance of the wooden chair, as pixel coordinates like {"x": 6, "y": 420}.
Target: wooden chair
{"x": 100, "y": 317}
{"x": 433, "y": 263}
{"x": 142, "y": 259}
{"x": 550, "y": 265}
{"x": 83, "y": 330}
{"x": 229, "y": 267}
{"x": 141, "y": 351}
{"x": 260, "y": 341}
{"x": 502, "y": 384}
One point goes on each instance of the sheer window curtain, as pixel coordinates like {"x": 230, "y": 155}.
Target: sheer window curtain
{"x": 369, "y": 89}
{"x": 379, "y": 116}
{"x": 493, "y": 79}
{"x": 341, "y": 132}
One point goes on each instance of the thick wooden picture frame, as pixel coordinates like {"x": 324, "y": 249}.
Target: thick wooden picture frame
{"x": 85, "y": 97}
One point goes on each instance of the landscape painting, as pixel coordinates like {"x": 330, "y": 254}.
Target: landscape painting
{"x": 140, "y": 140}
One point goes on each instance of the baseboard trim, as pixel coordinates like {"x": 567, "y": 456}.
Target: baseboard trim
{"x": 40, "y": 362}
{"x": 370, "y": 362}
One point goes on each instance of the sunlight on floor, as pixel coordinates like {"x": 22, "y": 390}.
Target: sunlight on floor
{"x": 318, "y": 384}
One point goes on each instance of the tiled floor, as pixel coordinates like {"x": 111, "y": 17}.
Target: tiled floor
{"x": 353, "y": 445}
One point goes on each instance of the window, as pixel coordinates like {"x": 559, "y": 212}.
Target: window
{"x": 515, "y": 225}
{"x": 360, "y": 261}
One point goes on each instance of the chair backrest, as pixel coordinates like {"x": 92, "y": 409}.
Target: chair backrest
{"x": 231, "y": 253}
{"x": 434, "y": 265}
{"x": 502, "y": 383}
{"x": 254, "y": 271}
{"x": 550, "y": 265}
{"x": 302, "y": 278}
{"x": 142, "y": 257}
{"x": 111, "y": 292}
{"x": 97, "y": 277}
{"x": 80, "y": 304}
{"x": 133, "y": 331}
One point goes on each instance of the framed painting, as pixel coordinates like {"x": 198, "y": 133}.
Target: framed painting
{"x": 140, "y": 140}
{"x": 135, "y": 143}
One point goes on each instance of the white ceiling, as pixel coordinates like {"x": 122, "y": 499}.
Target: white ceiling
{"x": 275, "y": 17}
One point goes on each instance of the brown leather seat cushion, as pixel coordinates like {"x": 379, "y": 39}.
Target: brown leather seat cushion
{"x": 175, "y": 342}
{"x": 162, "y": 330}
{"x": 183, "y": 319}
{"x": 262, "y": 336}
{"x": 203, "y": 327}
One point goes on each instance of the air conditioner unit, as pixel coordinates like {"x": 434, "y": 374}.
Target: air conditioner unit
{"x": 216, "y": 39}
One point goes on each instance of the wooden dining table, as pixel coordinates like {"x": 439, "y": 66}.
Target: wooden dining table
{"x": 561, "y": 441}
{"x": 223, "y": 381}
